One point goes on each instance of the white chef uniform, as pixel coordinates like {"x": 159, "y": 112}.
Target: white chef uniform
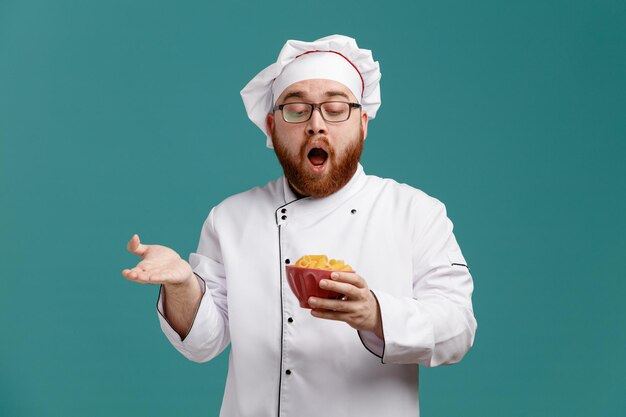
{"x": 284, "y": 362}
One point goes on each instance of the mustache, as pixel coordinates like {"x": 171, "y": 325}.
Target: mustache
{"x": 317, "y": 140}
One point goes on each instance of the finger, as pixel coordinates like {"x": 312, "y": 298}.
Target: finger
{"x": 333, "y": 305}
{"x": 132, "y": 243}
{"x": 329, "y": 315}
{"x": 145, "y": 277}
{"x": 126, "y": 273}
{"x": 137, "y": 273}
{"x": 135, "y": 246}
{"x": 341, "y": 288}
{"x": 158, "y": 276}
{"x": 349, "y": 277}
{"x": 132, "y": 275}
{"x": 153, "y": 275}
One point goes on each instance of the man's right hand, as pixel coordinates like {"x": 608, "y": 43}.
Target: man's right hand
{"x": 159, "y": 265}
{"x": 162, "y": 265}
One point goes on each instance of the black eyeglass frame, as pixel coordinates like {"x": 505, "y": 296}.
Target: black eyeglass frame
{"x": 317, "y": 106}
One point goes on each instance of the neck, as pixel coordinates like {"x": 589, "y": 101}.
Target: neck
{"x": 295, "y": 191}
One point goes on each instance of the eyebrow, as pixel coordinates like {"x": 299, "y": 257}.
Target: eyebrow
{"x": 328, "y": 94}
{"x": 296, "y": 94}
{"x": 333, "y": 93}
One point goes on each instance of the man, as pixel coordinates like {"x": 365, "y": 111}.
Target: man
{"x": 408, "y": 303}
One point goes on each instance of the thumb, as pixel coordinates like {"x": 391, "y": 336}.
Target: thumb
{"x": 135, "y": 246}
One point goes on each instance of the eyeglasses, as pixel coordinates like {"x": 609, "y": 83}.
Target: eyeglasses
{"x": 331, "y": 111}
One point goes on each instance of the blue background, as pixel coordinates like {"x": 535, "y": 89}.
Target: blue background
{"x": 121, "y": 117}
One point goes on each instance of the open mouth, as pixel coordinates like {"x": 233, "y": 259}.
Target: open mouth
{"x": 317, "y": 156}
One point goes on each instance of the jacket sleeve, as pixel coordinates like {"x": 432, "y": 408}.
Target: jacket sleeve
{"x": 209, "y": 334}
{"x": 436, "y": 325}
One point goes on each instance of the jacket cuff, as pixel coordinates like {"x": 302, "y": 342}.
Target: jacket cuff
{"x": 166, "y": 326}
{"x": 408, "y": 330}
{"x": 372, "y": 343}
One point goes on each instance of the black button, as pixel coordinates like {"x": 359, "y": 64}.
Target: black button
{"x": 290, "y": 320}
{"x": 288, "y": 372}
{"x": 287, "y": 261}
{"x": 283, "y": 211}
{"x": 284, "y": 217}
{"x": 353, "y": 211}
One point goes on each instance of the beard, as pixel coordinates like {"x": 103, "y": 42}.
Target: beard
{"x": 340, "y": 169}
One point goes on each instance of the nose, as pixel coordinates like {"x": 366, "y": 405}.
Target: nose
{"x": 316, "y": 124}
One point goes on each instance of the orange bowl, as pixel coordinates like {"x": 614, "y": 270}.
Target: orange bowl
{"x": 305, "y": 283}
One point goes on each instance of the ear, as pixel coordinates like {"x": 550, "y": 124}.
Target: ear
{"x": 269, "y": 122}
{"x": 364, "y": 120}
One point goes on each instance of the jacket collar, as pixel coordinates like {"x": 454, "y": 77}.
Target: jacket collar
{"x": 353, "y": 186}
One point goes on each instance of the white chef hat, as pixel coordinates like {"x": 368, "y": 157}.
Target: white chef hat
{"x": 334, "y": 57}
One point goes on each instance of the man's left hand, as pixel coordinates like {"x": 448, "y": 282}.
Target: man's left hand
{"x": 358, "y": 307}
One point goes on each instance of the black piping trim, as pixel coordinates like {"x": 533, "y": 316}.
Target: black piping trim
{"x": 460, "y": 265}
{"x": 383, "y": 329}
{"x": 365, "y": 346}
{"x": 182, "y": 339}
{"x": 282, "y": 324}
{"x": 282, "y": 312}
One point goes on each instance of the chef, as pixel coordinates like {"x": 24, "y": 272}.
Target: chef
{"x": 407, "y": 304}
